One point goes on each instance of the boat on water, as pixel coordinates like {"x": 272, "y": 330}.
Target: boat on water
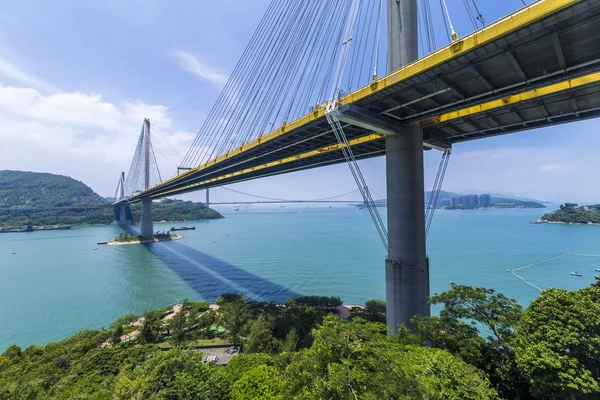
{"x": 31, "y": 228}
{"x": 597, "y": 270}
{"x": 575, "y": 273}
{"x": 183, "y": 228}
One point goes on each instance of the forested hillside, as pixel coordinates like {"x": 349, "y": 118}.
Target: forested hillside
{"x": 482, "y": 345}
{"x": 34, "y": 189}
{"x": 26, "y": 190}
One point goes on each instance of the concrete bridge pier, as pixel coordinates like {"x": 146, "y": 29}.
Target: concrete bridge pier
{"x": 407, "y": 266}
{"x": 146, "y": 222}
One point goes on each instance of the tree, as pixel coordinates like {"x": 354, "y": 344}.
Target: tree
{"x": 291, "y": 341}
{"x": 116, "y": 333}
{"x": 149, "y": 329}
{"x": 263, "y": 382}
{"x": 260, "y": 337}
{"x": 178, "y": 327}
{"x": 12, "y": 352}
{"x": 558, "y": 343}
{"x": 358, "y": 360}
{"x": 374, "y": 311}
{"x": 497, "y": 315}
{"x": 233, "y": 317}
{"x": 229, "y": 298}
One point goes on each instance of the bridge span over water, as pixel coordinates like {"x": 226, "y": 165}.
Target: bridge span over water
{"x": 537, "y": 67}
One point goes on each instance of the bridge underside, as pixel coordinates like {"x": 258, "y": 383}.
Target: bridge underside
{"x": 538, "y": 67}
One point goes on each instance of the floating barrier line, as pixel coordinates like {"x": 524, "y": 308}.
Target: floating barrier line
{"x": 537, "y": 263}
{"x": 587, "y": 255}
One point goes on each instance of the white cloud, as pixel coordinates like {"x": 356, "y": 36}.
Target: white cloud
{"x": 557, "y": 167}
{"x": 76, "y": 134}
{"x": 191, "y": 63}
{"x": 16, "y": 74}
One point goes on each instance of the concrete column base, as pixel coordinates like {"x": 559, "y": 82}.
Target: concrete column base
{"x": 406, "y": 271}
{"x": 146, "y": 222}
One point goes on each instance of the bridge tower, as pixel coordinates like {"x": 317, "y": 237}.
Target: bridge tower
{"x": 407, "y": 266}
{"x": 123, "y": 207}
{"x": 146, "y": 223}
{"x": 207, "y": 198}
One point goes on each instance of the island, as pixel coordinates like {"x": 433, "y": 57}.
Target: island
{"x": 125, "y": 239}
{"x": 572, "y": 213}
{"x": 51, "y": 200}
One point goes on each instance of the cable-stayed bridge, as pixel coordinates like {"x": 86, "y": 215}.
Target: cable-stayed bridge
{"x": 306, "y": 93}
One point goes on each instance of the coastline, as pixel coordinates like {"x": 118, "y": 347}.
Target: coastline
{"x": 541, "y": 221}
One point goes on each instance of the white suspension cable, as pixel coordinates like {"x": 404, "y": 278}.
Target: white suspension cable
{"x": 377, "y": 40}
{"x": 454, "y": 35}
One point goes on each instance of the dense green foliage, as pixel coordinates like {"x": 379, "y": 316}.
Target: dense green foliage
{"x": 32, "y": 189}
{"x": 571, "y": 213}
{"x": 551, "y": 350}
{"x": 20, "y": 189}
{"x": 483, "y": 345}
{"x": 345, "y": 361}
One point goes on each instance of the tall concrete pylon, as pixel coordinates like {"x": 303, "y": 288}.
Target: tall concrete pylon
{"x": 123, "y": 207}
{"x": 407, "y": 266}
{"x": 146, "y": 223}
{"x": 207, "y": 198}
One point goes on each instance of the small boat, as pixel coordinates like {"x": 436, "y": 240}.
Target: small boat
{"x": 183, "y": 228}
{"x": 575, "y": 273}
{"x": 597, "y": 270}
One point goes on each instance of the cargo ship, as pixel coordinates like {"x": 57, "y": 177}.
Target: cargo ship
{"x": 31, "y": 228}
{"x": 183, "y": 228}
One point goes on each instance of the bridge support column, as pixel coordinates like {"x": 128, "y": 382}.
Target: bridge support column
{"x": 146, "y": 222}
{"x": 207, "y": 198}
{"x": 407, "y": 267}
{"x": 122, "y": 214}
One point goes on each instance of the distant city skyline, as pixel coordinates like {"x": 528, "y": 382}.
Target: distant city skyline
{"x": 77, "y": 80}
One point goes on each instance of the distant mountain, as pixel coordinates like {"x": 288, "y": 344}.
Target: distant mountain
{"x": 110, "y": 199}
{"x": 23, "y": 190}
{"x": 33, "y": 189}
{"x": 515, "y": 197}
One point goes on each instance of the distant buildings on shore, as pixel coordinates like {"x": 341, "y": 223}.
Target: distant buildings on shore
{"x": 470, "y": 200}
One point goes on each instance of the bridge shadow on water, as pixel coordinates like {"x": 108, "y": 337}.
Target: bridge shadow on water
{"x": 210, "y": 277}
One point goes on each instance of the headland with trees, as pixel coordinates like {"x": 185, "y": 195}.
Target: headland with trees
{"x": 61, "y": 200}
{"x": 482, "y": 345}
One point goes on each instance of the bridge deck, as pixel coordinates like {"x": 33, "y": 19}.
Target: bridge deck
{"x": 537, "y": 67}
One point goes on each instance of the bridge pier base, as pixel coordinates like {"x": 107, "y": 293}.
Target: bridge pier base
{"x": 146, "y": 222}
{"x": 407, "y": 266}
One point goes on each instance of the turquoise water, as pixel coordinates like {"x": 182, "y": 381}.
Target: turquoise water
{"x": 56, "y": 284}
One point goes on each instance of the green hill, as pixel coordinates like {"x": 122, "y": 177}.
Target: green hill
{"x": 23, "y": 190}
{"x": 33, "y": 189}
{"x": 571, "y": 213}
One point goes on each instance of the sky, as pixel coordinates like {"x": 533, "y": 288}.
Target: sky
{"x": 78, "y": 78}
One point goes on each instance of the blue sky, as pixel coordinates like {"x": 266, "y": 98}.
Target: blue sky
{"x": 77, "y": 78}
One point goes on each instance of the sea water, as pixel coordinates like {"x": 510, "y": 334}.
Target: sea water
{"x": 59, "y": 282}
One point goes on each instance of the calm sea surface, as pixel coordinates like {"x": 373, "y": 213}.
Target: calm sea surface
{"x": 60, "y": 282}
